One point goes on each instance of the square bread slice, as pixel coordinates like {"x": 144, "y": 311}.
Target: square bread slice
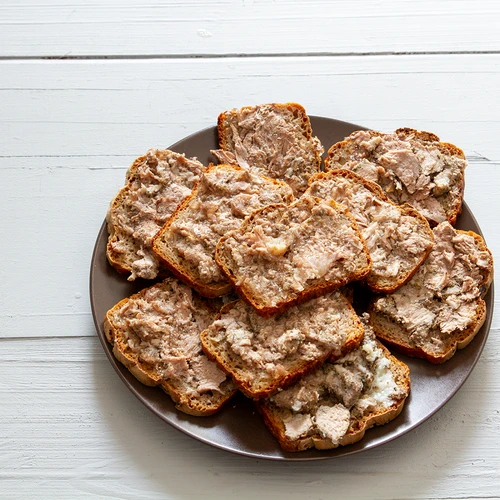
{"x": 338, "y": 402}
{"x": 274, "y": 140}
{"x": 284, "y": 255}
{"x": 411, "y": 167}
{"x": 155, "y": 184}
{"x": 398, "y": 237}
{"x": 224, "y": 196}
{"x": 441, "y": 308}
{"x": 264, "y": 355}
{"x": 156, "y": 335}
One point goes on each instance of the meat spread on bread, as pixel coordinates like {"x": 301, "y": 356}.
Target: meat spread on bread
{"x": 398, "y": 238}
{"x": 155, "y": 184}
{"x": 156, "y": 335}
{"x": 263, "y": 355}
{"x": 411, "y": 167}
{"x": 274, "y": 140}
{"x": 221, "y": 200}
{"x": 283, "y": 255}
{"x": 441, "y": 308}
{"x": 335, "y": 404}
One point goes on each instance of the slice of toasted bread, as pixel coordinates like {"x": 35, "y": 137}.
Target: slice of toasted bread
{"x": 155, "y": 184}
{"x": 338, "y": 402}
{"x": 273, "y": 139}
{"x": 264, "y": 355}
{"x": 225, "y": 195}
{"x": 411, "y": 167}
{"x": 441, "y": 308}
{"x": 156, "y": 335}
{"x": 284, "y": 255}
{"x": 397, "y": 237}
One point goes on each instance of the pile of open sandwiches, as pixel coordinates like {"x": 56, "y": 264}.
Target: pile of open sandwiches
{"x": 255, "y": 259}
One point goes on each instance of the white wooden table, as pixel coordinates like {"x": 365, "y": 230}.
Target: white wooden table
{"x": 85, "y": 88}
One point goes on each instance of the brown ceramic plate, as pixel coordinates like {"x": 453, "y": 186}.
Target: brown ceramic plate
{"x": 238, "y": 427}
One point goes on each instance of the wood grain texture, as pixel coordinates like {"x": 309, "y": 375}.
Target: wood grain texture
{"x": 126, "y": 107}
{"x": 221, "y": 27}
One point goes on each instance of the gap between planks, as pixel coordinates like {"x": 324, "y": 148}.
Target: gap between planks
{"x": 474, "y": 157}
{"x": 46, "y": 337}
{"x": 251, "y": 55}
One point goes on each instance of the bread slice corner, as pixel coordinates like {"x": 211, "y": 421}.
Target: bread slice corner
{"x": 131, "y": 350}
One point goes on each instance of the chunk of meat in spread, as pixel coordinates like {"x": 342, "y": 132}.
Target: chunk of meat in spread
{"x": 430, "y": 208}
{"x": 176, "y": 367}
{"x": 298, "y": 425}
{"x": 346, "y": 383}
{"x": 333, "y": 421}
{"x": 207, "y": 373}
{"x": 225, "y": 157}
{"x": 405, "y": 165}
{"x": 366, "y": 169}
{"x": 301, "y": 397}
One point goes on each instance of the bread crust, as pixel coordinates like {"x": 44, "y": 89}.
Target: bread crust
{"x": 384, "y": 326}
{"x": 353, "y": 340}
{"x": 357, "y": 428}
{"x": 421, "y": 135}
{"x": 321, "y": 287}
{"x": 120, "y": 263}
{"x": 147, "y": 375}
{"x": 346, "y": 150}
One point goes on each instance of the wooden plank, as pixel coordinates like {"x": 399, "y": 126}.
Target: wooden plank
{"x": 125, "y": 107}
{"x": 52, "y": 217}
{"x": 70, "y": 428}
{"x": 218, "y": 27}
